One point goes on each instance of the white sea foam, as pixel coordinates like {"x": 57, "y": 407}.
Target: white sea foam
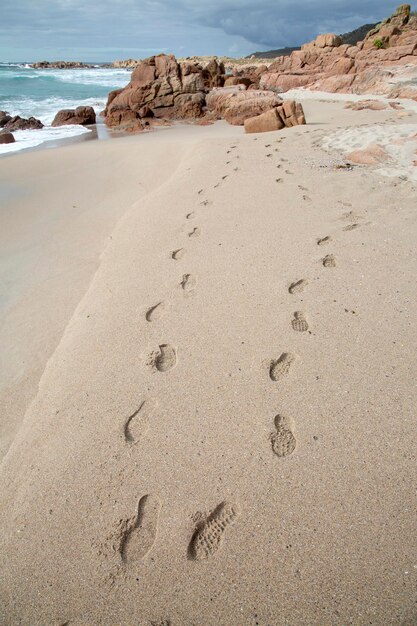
{"x": 42, "y": 93}
{"x": 45, "y": 110}
{"x": 31, "y": 138}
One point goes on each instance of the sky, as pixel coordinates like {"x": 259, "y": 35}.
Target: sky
{"x": 105, "y": 30}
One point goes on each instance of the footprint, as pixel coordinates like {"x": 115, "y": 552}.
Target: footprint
{"x": 329, "y": 260}
{"x": 200, "y": 191}
{"x": 138, "y": 423}
{"x": 209, "y": 533}
{"x": 299, "y": 323}
{"x": 289, "y": 172}
{"x": 177, "y": 254}
{"x": 279, "y": 180}
{"x": 163, "y": 359}
{"x": 324, "y": 240}
{"x": 190, "y": 216}
{"x": 195, "y": 232}
{"x": 205, "y": 203}
{"x": 188, "y": 282}
{"x": 139, "y": 533}
{"x": 281, "y": 367}
{"x": 225, "y": 176}
{"x": 351, "y": 216}
{"x": 155, "y": 312}
{"x": 298, "y": 286}
{"x": 306, "y": 198}
{"x": 351, "y": 227}
{"x": 283, "y": 440}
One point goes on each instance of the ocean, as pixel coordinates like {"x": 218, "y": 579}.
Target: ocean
{"x": 29, "y": 92}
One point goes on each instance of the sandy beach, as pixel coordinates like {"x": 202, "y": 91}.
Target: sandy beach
{"x": 208, "y": 379}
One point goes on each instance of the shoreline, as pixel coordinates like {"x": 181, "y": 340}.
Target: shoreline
{"x": 103, "y": 133}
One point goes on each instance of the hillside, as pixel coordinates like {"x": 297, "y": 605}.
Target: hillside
{"x": 351, "y": 38}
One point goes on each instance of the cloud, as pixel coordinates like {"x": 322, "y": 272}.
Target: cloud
{"x": 182, "y": 26}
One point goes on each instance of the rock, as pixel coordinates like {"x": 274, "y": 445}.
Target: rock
{"x": 371, "y": 155}
{"x": 213, "y": 74}
{"x": 6, "y": 138}
{"x": 292, "y": 113}
{"x": 85, "y": 116}
{"x": 374, "y": 105}
{"x": 286, "y": 114}
{"x": 162, "y": 88}
{"x": 236, "y": 105}
{"x": 4, "y": 118}
{"x": 231, "y": 81}
{"x": 329, "y": 40}
{"x": 20, "y": 123}
{"x": 268, "y": 121}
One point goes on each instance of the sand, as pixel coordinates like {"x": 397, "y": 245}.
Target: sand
{"x": 218, "y": 371}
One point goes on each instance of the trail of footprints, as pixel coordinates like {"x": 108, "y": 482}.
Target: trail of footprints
{"x": 136, "y": 536}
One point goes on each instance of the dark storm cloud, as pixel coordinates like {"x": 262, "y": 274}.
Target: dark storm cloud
{"x": 181, "y": 26}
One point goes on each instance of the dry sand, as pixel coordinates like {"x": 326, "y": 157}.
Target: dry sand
{"x": 224, "y": 428}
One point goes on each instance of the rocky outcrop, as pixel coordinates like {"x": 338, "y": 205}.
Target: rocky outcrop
{"x": 84, "y": 116}
{"x": 286, "y": 114}
{"x": 162, "y": 88}
{"x": 20, "y": 123}
{"x": 388, "y": 31}
{"x": 327, "y": 64}
{"x": 60, "y": 65}
{"x": 6, "y": 138}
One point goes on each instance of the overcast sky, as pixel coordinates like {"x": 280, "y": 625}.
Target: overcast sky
{"x": 104, "y": 30}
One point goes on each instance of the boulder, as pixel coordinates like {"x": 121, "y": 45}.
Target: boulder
{"x": 292, "y": 113}
{"x": 268, "y": 121}
{"x": 231, "y": 81}
{"x": 236, "y": 105}
{"x": 4, "y": 118}
{"x": 84, "y": 116}
{"x": 286, "y": 114}
{"x": 6, "y": 138}
{"x": 329, "y": 40}
{"x": 20, "y": 123}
